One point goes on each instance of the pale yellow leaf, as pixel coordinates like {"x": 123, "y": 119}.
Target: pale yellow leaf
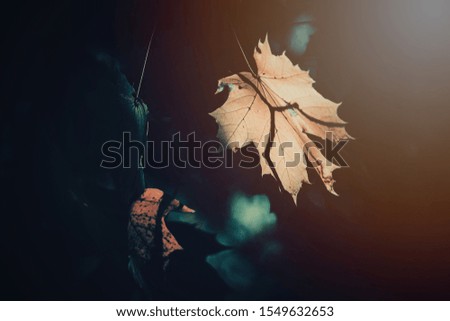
{"x": 279, "y": 100}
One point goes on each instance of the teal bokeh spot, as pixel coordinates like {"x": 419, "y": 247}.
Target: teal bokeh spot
{"x": 250, "y": 216}
{"x": 301, "y": 34}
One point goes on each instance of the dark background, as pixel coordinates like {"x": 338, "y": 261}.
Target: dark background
{"x": 386, "y": 237}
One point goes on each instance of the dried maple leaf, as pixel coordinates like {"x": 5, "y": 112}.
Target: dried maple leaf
{"x": 275, "y": 109}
